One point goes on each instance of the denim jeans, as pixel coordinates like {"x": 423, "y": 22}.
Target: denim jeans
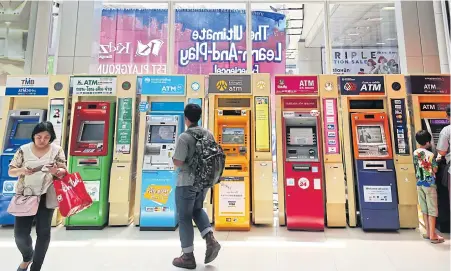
{"x": 22, "y": 235}
{"x": 189, "y": 203}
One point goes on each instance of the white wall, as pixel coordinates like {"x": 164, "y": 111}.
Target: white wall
{"x": 309, "y": 60}
{"x": 15, "y": 41}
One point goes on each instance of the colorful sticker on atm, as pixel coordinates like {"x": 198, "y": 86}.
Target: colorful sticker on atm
{"x": 332, "y": 142}
{"x": 158, "y": 193}
{"x": 303, "y": 183}
{"x": 331, "y": 134}
{"x": 290, "y": 182}
{"x": 288, "y": 114}
{"x": 330, "y": 119}
{"x": 330, "y": 126}
{"x": 332, "y": 149}
{"x": 9, "y": 188}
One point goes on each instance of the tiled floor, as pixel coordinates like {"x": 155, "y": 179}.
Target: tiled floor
{"x": 128, "y": 249}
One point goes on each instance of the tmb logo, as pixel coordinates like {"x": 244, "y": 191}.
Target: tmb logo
{"x": 27, "y": 82}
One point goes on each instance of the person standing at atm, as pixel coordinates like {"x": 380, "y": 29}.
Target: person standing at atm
{"x": 425, "y": 169}
{"x": 36, "y": 164}
{"x": 189, "y": 201}
{"x": 443, "y": 150}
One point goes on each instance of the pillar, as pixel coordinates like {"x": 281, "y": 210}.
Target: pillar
{"x": 443, "y": 41}
{"x": 79, "y": 35}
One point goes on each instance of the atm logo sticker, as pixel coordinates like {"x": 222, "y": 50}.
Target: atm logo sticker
{"x": 158, "y": 193}
{"x": 331, "y": 134}
{"x": 349, "y": 86}
{"x": 330, "y": 126}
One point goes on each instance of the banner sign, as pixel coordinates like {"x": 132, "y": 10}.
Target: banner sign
{"x": 93, "y": 85}
{"x": 433, "y": 106}
{"x": 134, "y": 41}
{"x": 296, "y": 84}
{"x": 55, "y": 116}
{"x": 124, "y": 125}
{"x": 398, "y": 109}
{"x": 27, "y": 86}
{"x": 262, "y": 141}
{"x": 330, "y": 128}
{"x": 363, "y": 61}
{"x": 362, "y": 85}
{"x": 417, "y": 84}
{"x": 300, "y": 103}
{"x": 163, "y": 85}
{"x": 229, "y": 84}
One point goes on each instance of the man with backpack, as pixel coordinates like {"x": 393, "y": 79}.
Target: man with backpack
{"x": 199, "y": 160}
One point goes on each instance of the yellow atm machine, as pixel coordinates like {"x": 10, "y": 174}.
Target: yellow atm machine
{"x": 239, "y": 117}
{"x": 429, "y": 98}
{"x": 103, "y": 109}
{"x": 29, "y": 100}
{"x": 162, "y": 102}
{"x": 379, "y": 171}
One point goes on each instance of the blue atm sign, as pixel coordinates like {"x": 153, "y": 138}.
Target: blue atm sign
{"x": 163, "y": 85}
{"x": 362, "y": 85}
{"x": 27, "y": 86}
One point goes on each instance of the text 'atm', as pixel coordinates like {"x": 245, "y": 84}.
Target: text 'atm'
{"x": 19, "y": 127}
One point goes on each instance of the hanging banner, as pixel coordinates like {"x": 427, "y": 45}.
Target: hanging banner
{"x": 363, "y": 61}
{"x": 296, "y": 84}
{"x": 418, "y": 84}
{"x": 85, "y": 85}
{"x": 399, "y": 117}
{"x": 362, "y": 85}
{"x": 27, "y": 86}
{"x": 262, "y": 141}
{"x": 55, "y": 116}
{"x": 124, "y": 125}
{"x": 134, "y": 41}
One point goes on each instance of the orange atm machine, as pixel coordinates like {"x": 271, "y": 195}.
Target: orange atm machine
{"x": 429, "y": 98}
{"x": 239, "y": 109}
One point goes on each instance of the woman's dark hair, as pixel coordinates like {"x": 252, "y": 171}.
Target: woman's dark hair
{"x": 45, "y": 126}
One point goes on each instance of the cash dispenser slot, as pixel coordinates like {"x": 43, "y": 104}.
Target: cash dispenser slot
{"x": 231, "y": 112}
{"x": 24, "y": 113}
{"x": 88, "y": 162}
{"x": 234, "y": 167}
{"x": 376, "y": 165}
{"x": 301, "y": 167}
{"x": 366, "y": 104}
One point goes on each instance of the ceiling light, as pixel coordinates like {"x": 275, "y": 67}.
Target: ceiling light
{"x": 391, "y": 39}
{"x": 374, "y": 19}
{"x": 353, "y": 34}
{"x": 380, "y": 43}
{"x": 388, "y": 8}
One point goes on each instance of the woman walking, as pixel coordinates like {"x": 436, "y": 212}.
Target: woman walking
{"x": 36, "y": 164}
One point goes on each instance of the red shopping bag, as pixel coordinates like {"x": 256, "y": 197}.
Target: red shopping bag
{"x": 71, "y": 194}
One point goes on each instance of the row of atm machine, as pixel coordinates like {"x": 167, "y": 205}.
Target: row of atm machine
{"x": 341, "y": 145}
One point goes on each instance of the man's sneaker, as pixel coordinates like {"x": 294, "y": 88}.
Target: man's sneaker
{"x": 213, "y": 248}
{"x": 186, "y": 261}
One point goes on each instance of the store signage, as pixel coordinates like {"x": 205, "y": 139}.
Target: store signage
{"x": 400, "y": 129}
{"x": 331, "y": 136}
{"x": 27, "y": 86}
{"x": 417, "y": 84}
{"x": 434, "y": 106}
{"x": 85, "y": 85}
{"x": 163, "y": 85}
{"x": 229, "y": 84}
{"x": 296, "y": 84}
{"x": 362, "y": 85}
{"x": 300, "y": 103}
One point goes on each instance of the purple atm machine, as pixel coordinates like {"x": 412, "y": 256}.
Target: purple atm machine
{"x": 19, "y": 127}
{"x": 375, "y": 171}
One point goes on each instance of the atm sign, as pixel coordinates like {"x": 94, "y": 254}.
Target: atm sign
{"x": 296, "y": 84}
{"x": 300, "y": 103}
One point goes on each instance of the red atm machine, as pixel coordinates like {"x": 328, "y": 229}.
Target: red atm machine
{"x": 303, "y": 171}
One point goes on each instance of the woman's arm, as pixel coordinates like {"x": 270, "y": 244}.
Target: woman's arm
{"x": 59, "y": 168}
{"x": 16, "y": 168}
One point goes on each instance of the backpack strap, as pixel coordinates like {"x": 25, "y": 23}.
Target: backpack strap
{"x": 196, "y": 134}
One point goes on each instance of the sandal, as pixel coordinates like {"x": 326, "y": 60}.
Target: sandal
{"x": 437, "y": 241}
{"x": 425, "y": 236}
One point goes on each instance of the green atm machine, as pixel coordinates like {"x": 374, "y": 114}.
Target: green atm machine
{"x": 91, "y": 145}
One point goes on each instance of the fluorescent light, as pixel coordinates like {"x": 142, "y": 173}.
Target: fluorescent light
{"x": 380, "y": 43}
{"x": 388, "y": 8}
{"x": 374, "y": 19}
{"x": 353, "y": 34}
{"x": 391, "y": 39}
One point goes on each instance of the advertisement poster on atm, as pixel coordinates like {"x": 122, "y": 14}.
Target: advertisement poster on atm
{"x": 135, "y": 41}
{"x": 232, "y": 198}
{"x": 157, "y": 199}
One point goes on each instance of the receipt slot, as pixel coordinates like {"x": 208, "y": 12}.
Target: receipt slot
{"x": 19, "y": 126}
{"x": 303, "y": 171}
{"x": 90, "y": 152}
{"x": 375, "y": 171}
{"x": 159, "y": 177}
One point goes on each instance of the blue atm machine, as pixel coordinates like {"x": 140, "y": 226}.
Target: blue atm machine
{"x": 159, "y": 178}
{"x": 375, "y": 171}
{"x": 19, "y": 127}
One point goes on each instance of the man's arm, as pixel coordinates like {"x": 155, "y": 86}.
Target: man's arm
{"x": 443, "y": 142}
{"x": 180, "y": 153}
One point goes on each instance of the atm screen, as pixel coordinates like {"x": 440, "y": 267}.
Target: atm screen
{"x": 24, "y": 130}
{"x": 370, "y": 134}
{"x": 232, "y": 135}
{"x": 92, "y": 132}
{"x": 302, "y": 136}
{"x": 434, "y": 127}
{"x": 160, "y": 134}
